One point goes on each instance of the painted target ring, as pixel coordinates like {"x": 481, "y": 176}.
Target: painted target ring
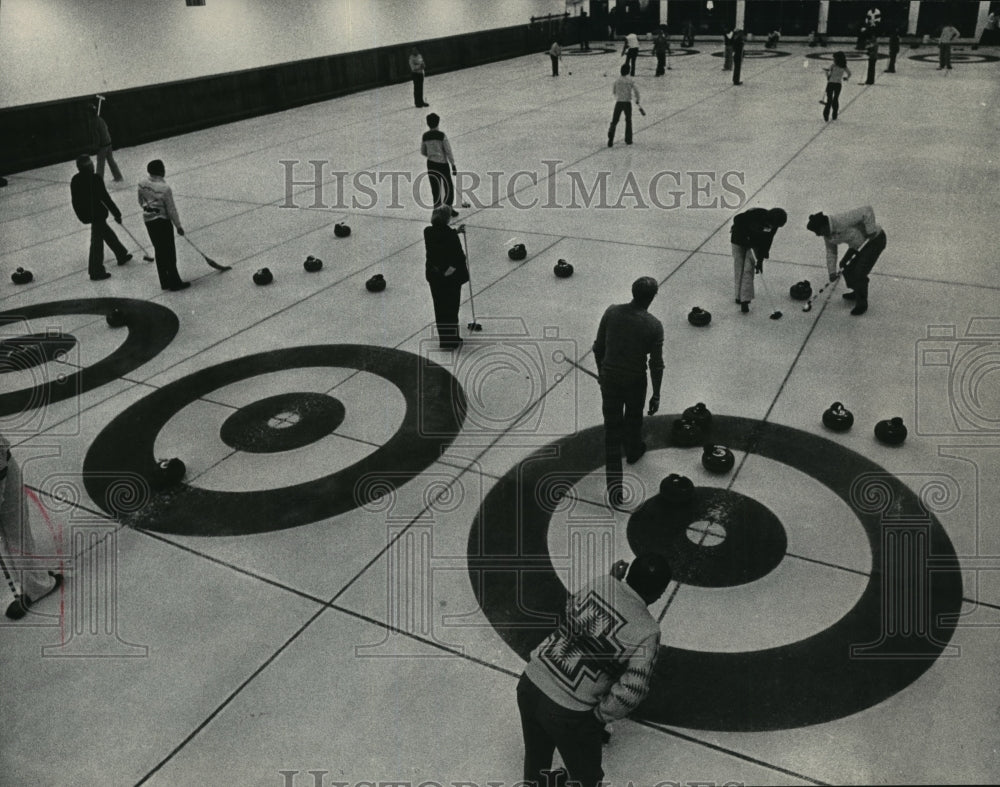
{"x": 852, "y": 665}
{"x": 600, "y": 50}
{"x": 849, "y": 54}
{"x": 151, "y": 327}
{"x": 957, "y": 58}
{"x": 757, "y": 54}
{"x": 22, "y": 353}
{"x": 720, "y": 539}
{"x": 435, "y": 412}
{"x": 282, "y": 423}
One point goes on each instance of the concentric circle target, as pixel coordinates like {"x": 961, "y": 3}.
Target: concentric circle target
{"x": 757, "y": 54}
{"x": 850, "y": 54}
{"x": 435, "y": 411}
{"x": 151, "y": 327}
{"x": 855, "y": 663}
{"x": 959, "y": 58}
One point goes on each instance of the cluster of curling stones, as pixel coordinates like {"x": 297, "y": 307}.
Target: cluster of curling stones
{"x": 263, "y": 276}
{"x": 692, "y": 429}
{"x": 890, "y": 431}
{"x": 312, "y": 264}
{"x": 21, "y": 276}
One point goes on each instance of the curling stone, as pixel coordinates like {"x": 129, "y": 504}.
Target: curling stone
{"x": 801, "y": 291}
{"x": 312, "y": 264}
{"x": 717, "y": 459}
{"x": 517, "y": 252}
{"x": 686, "y": 433}
{"x": 700, "y": 415}
{"x": 169, "y": 472}
{"x": 563, "y": 270}
{"x": 116, "y": 318}
{"x": 341, "y": 230}
{"x": 21, "y": 276}
{"x": 677, "y": 489}
{"x": 263, "y": 277}
{"x": 376, "y": 283}
{"x": 838, "y": 418}
{"x": 891, "y": 431}
{"x": 699, "y": 317}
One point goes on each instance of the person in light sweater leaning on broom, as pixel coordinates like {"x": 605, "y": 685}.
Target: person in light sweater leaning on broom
{"x": 595, "y": 668}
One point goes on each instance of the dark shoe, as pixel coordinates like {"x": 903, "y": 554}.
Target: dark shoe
{"x": 125, "y": 259}
{"x": 860, "y": 309}
{"x": 745, "y": 307}
{"x": 737, "y": 83}
{"x": 178, "y": 287}
{"x": 454, "y": 213}
{"x": 850, "y": 296}
{"x": 611, "y": 143}
{"x": 628, "y": 141}
{"x": 100, "y": 276}
{"x": 633, "y": 458}
{"x": 452, "y": 344}
{"x": 21, "y": 604}
{"x": 425, "y": 104}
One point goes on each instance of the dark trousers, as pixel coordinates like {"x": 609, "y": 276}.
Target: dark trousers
{"x": 442, "y": 188}
{"x": 737, "y": 65}
{"x": 548, "y": 726}
{"x": 418, "y": 90}
{"x": 832, "y": 100}
{"x": 872, "y": 60}
{"x": 555, "y": 65}
{"x": 944, "y": 60}
{"x": 661, "y": 63}
{"x": 622, "y": 405}
{"x": 161, "y": 235}
{"x": 626, "y": 108}
{"x": 101, "y": 233}
{"x": 891, "y": 69}
{"x": 856, "y": 271}
{"x": 630, "y": 58}
{"x": 447, "y": 297}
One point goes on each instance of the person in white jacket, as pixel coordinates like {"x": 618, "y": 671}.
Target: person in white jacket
{"x": 595, "y": 668}
{"x": 865, "y": 241}
{"x": 160, "y": 214}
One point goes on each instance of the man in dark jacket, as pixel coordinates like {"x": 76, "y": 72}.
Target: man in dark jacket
{"x": 752, "y": 234}
{"x": 446, "y": 272}
{"x": 739, "y": 39}
{"x": 626, "y": 336}
{"x": 91, "y": 203}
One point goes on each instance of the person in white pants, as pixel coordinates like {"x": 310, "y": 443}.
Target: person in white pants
{"x": 16, "y": 537}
